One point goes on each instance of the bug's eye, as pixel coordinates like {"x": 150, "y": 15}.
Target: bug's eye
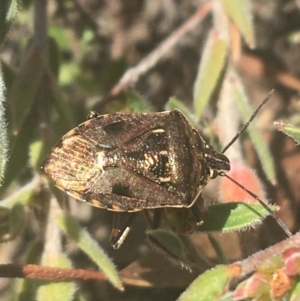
{"x": 213, "y": 173}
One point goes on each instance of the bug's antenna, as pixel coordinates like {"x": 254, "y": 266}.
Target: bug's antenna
{"x": 244, "y": 127}
{"x": 270, "y": 211}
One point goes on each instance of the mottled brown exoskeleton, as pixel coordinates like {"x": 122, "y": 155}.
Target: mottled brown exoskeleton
{"x": 133, "y": 162}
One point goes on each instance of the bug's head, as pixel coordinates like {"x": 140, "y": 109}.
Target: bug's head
{"x": 216, "y": 162}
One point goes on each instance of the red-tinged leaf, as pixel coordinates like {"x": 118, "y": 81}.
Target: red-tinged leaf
{"x": 292, "y": 261}
{"x": 256, "y": 286}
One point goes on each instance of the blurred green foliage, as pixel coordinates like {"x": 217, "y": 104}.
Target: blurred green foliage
{"x": 61, "y": 59}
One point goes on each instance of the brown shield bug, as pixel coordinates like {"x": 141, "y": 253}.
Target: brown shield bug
{"x": 140, "y": 161}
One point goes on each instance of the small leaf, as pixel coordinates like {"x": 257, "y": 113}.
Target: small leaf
{"x": 19, "y": 148}
{"x": 54, "y": 57}
{"x": 35, "y": 152}
{"x": 209, "y": 286}
{"x": 289, "y": 130}
{"x": 241, "y": 14}
{"x": 87, "y": 244}
{"x": 58, "y": 34}
{"x": 23, "y": 195}
{"x": 56, "y": 291}
{"x": 233, "y": 216}
{"x": 8, "y": 11}
{"x": 68, "y": 73}
{"x": 212, "y": 63}
{"x": 169, "y": 244}
{"x": 295, "y": 295}
{"x": 129, "y": 102}
{"x": 258, "y": 286}
{"x": 27, "y": 288}
{"x": 292, "y": 261}
{"x": 271, "y": 264}
{"x": 3, "y": 131}
{"x": 137, "y": 103}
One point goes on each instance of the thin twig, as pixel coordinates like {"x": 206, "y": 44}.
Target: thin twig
{"x": 40, "y": 25}
{"x": 134, "y": 73}
{"x": 250, "y": 264}
{"x": 33, "y": 271}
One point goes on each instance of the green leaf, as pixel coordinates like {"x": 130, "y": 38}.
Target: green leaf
{"x": 88, "y": 245}
{"x": 56, "y": 291}
{"x": 289, "y": 130}
{"x": 233, "y": 216}
{"x": 18, "y": 152}
{"x": 27, "y": 287}
{"x": 136, "y": 103}
{"x": 212, "y": 63}
{"x": 3, "y": 131}
{"x": 35, "y": 153}
{"x": 58, "y": 33}
{"x": 8, "y": 11}
{"x": 23, "y": 195}
{"x": 241, "y": 14}
{"x": 295, "y": 295}
{"x": 209, "y": 286}
{"x": 68, "y": 73}
{"x": 9, "y": 75}
{"x": 169, "y": 244}
{"x": 54, "y": 57}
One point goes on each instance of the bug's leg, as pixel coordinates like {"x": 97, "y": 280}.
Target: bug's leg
{"x": 91, "y": 115}
{"x": 153, "y": 220}
{"x": 157, "y": 216}
{"x": 197, "y": 210}
{"x": 118, "y": 232}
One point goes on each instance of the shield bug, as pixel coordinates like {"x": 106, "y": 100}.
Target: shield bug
{"x": 140, "y": 161}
